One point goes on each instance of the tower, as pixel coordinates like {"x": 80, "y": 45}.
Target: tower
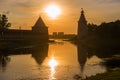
{"x": 82, "y": 26}
{"x": 41, "y": 29}
{"x": 40, "y": 26}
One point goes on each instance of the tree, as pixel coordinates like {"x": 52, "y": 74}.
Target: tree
{"x": 109, "y": 30}
{"x": 91, "y": 27}
{"x": 4, "y": 24}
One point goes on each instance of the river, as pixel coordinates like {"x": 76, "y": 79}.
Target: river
{"x": 59, "y": 60}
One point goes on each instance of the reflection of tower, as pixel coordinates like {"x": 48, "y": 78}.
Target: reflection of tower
{"x": 82, "y": 26}
{"x": 39, "y": 53}
{"x": 82, "y": 56}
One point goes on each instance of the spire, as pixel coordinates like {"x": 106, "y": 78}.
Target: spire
{"x": 39, "y": 23}
{"x": 82, "y": 12}
{"x": 82, "y": 17}
{"x": 82, "y": 25}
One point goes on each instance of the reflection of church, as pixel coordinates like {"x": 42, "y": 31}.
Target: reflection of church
{"x": 39, "y": 32}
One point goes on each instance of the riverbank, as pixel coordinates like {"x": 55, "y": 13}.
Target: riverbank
{"x": 113, "y": 74}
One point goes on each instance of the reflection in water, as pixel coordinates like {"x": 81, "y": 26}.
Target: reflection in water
{"x": 36, "y": 62}
{"x": 102, "y": 55}
{"x": 89, "y": 63}
{"x": 4, "y": 61}
{"x": 38, "y": 52}
{"x": 52, "y": 64}
{"x": 82, "y": 56}
{"x": 113, "y": 62}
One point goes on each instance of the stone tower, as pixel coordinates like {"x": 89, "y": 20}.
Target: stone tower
{"x": 82, "y": 26}
{"x": 41, "y": 28}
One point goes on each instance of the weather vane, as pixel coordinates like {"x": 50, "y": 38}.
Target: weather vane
{"x": 82, "y": 8}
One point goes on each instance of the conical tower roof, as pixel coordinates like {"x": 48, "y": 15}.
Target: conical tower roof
{"x": 82, "y": 17}
{"x": 39, "y": 23}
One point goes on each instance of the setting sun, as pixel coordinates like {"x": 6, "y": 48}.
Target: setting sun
{"x": 53, "y": 11}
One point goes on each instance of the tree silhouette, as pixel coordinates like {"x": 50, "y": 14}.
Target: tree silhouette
{"x": 4, "y": 24}
{"x": 91, "y": 27}
{"x": 106, "y": 30}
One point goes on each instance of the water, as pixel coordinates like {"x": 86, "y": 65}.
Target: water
{"x": 53, "y": 61}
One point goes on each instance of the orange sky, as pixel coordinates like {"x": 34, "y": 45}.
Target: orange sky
{"x": 24, "y": 13}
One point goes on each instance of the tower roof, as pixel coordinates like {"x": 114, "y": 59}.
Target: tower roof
{"x": 39, "y": 23}
{"x": 82, "y": 17}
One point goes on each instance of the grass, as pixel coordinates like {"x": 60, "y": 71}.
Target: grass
{"x": 113, "y": 74}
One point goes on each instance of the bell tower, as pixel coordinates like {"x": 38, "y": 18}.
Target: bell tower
{"x": 82, "y": 26}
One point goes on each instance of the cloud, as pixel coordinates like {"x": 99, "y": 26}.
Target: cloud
{"x": 112, "y": 1}
{"x": 108, "y": 1}
{"x": 25, "y": 3}
{"x": 7, "y": 12}
{"x": 2, "y": 0}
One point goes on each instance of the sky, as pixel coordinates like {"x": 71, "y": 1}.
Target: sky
{"x": 24, "y": 13}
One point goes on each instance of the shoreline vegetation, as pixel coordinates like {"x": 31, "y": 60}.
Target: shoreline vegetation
{"x": 113, "y": 74}
{"x": 103, "y": 35}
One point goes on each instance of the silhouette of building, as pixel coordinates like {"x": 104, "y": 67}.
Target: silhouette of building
{"x": 54, "y": 34}
{"x": 60, "y": 34}
{"x": 39, "y": 33}
{"x": 82, "y": 26}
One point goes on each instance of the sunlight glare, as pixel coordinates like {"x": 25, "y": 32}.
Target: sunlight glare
{"x": 53, "y": 11}
{"x": 52, "y": 62}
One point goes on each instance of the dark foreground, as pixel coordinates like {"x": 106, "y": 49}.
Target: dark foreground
{"x": 110, "y": 75}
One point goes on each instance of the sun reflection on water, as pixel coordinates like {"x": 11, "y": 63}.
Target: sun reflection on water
{"x": 52, "y": 64}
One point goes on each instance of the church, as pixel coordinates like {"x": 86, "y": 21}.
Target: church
{"x": 39, "y": 33}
